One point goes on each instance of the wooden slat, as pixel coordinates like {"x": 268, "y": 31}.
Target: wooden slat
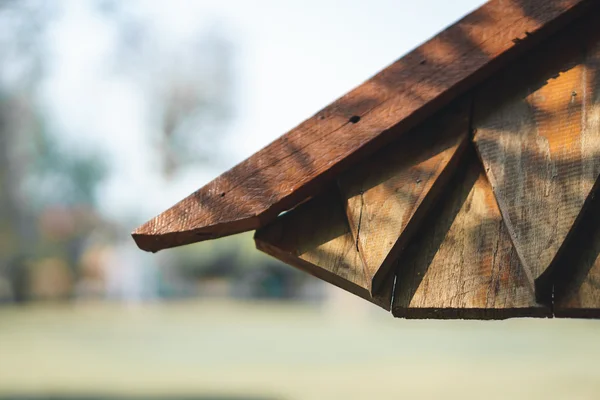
{"x": 315, "y": 237}
{"x": 299, "y": 163}
{"x": 388, "y": 194}
{"x": 462, "y": 264}
{"x": 540, "y": 146}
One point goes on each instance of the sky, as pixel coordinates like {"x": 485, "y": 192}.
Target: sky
{"x": 291, "y": 58}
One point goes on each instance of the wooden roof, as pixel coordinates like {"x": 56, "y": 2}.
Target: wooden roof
{"x": 452, "y": 184}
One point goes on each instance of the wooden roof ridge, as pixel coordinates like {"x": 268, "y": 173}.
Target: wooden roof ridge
{"x": 299, "y": 163}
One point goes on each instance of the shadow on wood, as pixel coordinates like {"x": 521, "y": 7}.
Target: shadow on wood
{"x": 315, "y": 237}
{"x": 387, "y": 195}
{"x": 299, "y": 164}
{"x": 461, "y": 263}
{"x": 538, "y": 138}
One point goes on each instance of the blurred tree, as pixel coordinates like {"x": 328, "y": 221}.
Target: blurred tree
{"x": 21, "y": 30}
{"x": 59, "y": 176}
{"x": 48, "y": 191}
{"x": 186, "y": 83}
{"x": 36, "y": 176}
{"x": 21, "y": 27}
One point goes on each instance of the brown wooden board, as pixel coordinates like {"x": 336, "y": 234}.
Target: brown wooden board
{"x": 461, "y": 263}
{"x": 387, "y": 195}
{"x": 315, "y": 237}
{"x": 537, "y": 135}
{"x": 298, "y": 164}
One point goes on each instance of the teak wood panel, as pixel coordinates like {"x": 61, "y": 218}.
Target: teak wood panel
{"x": 387, "y": 195}
{"x": 540, "y": 146}
{"x": 461, "y": 263}
{"x": 315, "y": 237}
{"x": 298, "y": 164}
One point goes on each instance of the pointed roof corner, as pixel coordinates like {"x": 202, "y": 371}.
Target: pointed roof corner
{"x": 298, "y": 164}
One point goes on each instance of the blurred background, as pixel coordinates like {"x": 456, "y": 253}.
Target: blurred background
{"x": 110, "y": 112}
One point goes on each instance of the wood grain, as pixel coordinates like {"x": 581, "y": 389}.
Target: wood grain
{"x": 315, "y": 237}
{"x": 577, "y": 279}
{"x": 298, "y": 164}
{"x": 462, "y": 264}
{"x": 540, "y": 145}
{"x": 388, "y": 194}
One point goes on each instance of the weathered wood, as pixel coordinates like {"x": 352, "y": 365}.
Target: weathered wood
{"x": 388, "y": 194}
{"x": 299, "y": 163}
{"x": 540, "y": 145}
{"x": 462, "y": 264}
{"x": 577, "y": 279}
{"x": 315, "y": 237}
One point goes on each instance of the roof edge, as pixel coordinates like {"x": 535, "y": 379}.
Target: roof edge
{"x": 296, "y": 165}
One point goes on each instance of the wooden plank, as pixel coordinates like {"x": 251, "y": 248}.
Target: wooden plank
{"x": 539, "y": 142}
{"x": 315, "y": 237}
{"x": 577, "y": 279}
{"x": 388, "y": 194}
{"x": 298, "y": 164}
{"x": 462, "y": 264}
{"x": 577, "y": 282}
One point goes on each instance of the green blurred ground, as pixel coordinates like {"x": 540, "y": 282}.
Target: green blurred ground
{"x": 289, "y": 351}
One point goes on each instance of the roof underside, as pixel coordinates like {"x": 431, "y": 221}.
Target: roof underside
{"x": 457, "y": 183}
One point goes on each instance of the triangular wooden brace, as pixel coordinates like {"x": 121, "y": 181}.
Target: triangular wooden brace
{"x": 540, "y": 145}
{"x": 315, "y": 238}
{"x": 461, "y": 263}
{"x": 387, "y": 195}
{"x": 577, "y": 283}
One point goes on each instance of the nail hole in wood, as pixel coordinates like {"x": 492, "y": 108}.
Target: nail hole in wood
{"x": 354, "y": 119}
